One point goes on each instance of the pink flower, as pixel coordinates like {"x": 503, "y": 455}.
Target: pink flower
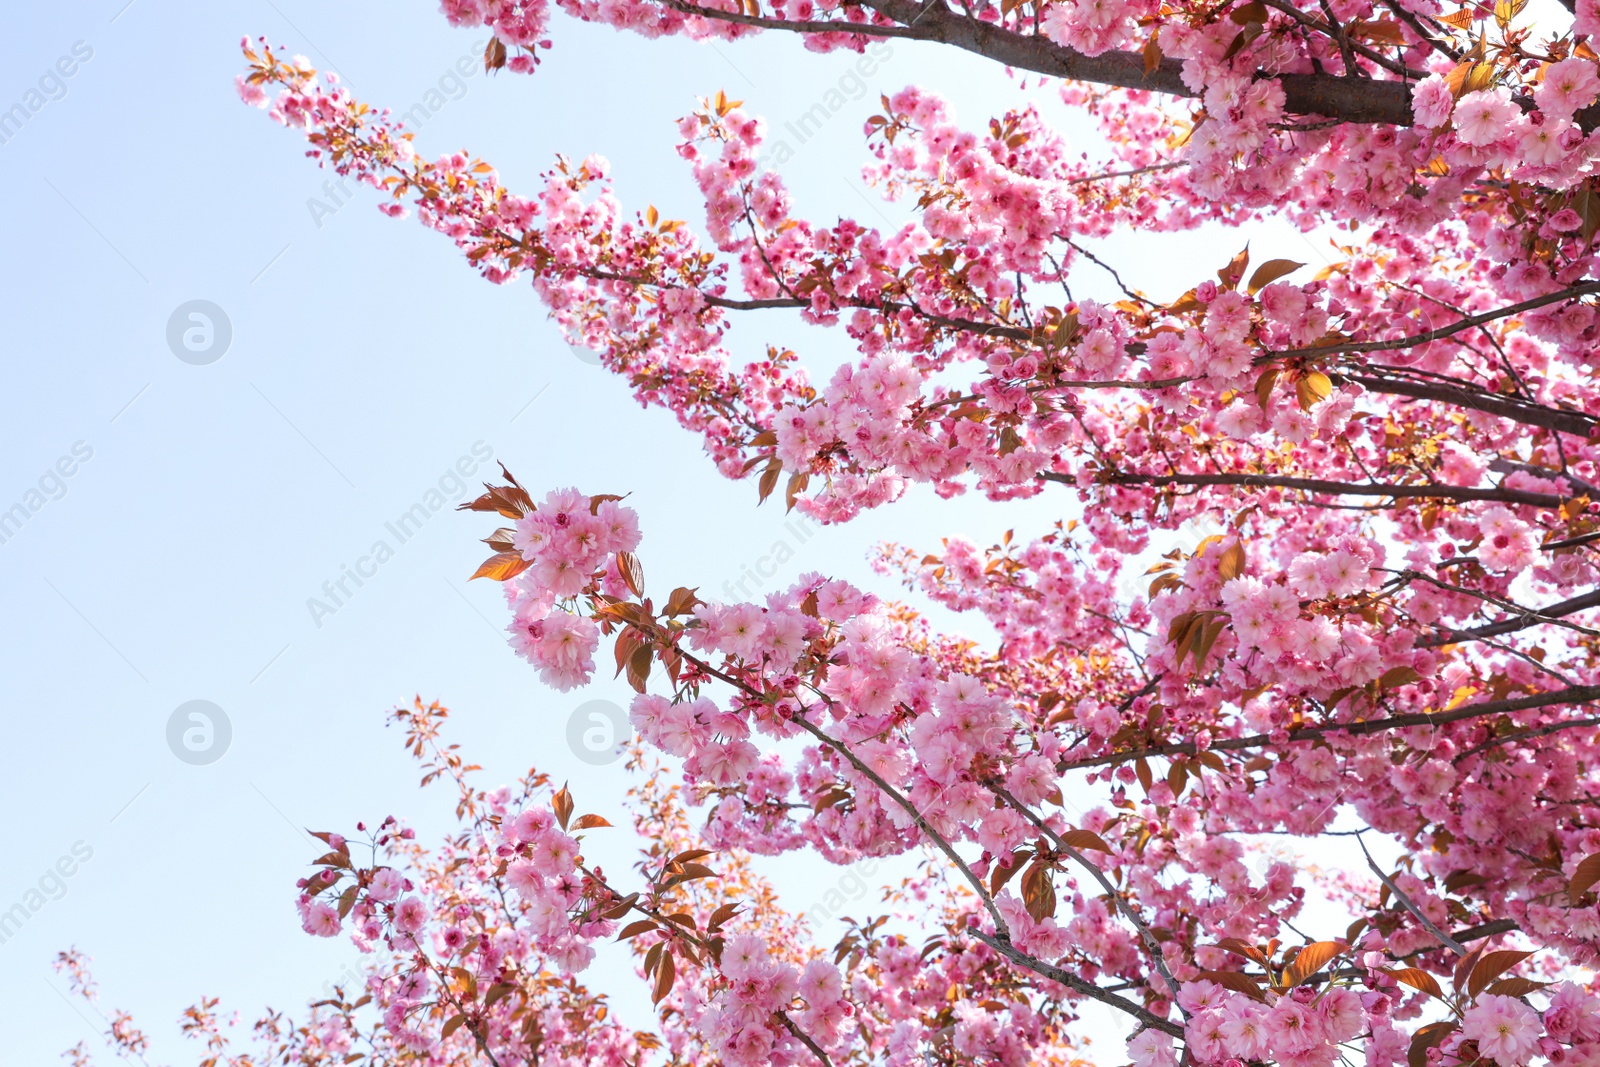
{"x": 1485, "y": 116}
{"x": 1432, "y": 101}
{"x": 555, "y": 853}
{"x": 1244, "y": 1034}
{"x": 561, "y": 646}
{"x": 1568, "y": 87}
{"x": 386, "y": 885}
{"x": 1508, "y": 543}
{"x": 1152, "y": 1049}
{"x": 1573, "y": 1014}
{"x": 1541, "y": 146}
{"x": 1566, "y": 221}
{"x": 1290, "y": 1028}
{"x": 1586, "y": 18}
{"x": 409, "y": 914}
{"x": 249, "y": 92}
{"x": 321, "y": 920}
{"x": 1505, "y": 1029}
{"x": 1342, "y": 1014}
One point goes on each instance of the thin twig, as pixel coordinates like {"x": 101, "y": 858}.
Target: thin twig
{"x": 1444, "y": 938}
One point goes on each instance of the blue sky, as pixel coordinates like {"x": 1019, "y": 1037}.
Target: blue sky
{"x": 206, "y": 503}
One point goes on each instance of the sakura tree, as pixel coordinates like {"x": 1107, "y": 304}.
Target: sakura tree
{"x": 1394, "y": 638}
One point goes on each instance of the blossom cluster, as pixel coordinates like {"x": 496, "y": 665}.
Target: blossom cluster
{"x": 1395, "y": 628}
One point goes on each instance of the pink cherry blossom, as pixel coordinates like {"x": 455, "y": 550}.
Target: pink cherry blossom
{"x": 1485, "y": 116}
{"x": 1504, "y": 1028}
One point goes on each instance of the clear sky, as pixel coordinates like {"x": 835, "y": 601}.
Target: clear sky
{"x": 180, "y": 514}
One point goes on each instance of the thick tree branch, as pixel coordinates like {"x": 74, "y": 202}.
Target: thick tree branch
{"x": 1522, "y": 622}
{"x": 1471, "y": 321}
{"x": 1349, "y": 99}
{"x": 1500, "y": 602}
{"x": 1325, "y": 486}
{"x": 1559, "y": 419}
{"x": 1523, "y": 735}
{"x": 1578, "y": 694}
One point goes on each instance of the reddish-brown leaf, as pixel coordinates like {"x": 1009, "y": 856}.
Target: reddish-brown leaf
{"x": 682, "y": 601}
{"x": 797, "y": 485}
{"x": 1264, "y": 384}
{"x": 1417, "y": 978}
{"x": 347, "y": 900}
{"x": 665, "y": 973}
{"x": 1515, "y": 987}
{"x": 1242, "y": 948}
{"x": 1152, "y": 53}
{"x": 696, "y": 870}
{"x": 561, "y": 804}
{"x": 1230, "y": 275}
{"x": 1230, "y": 564}
{"x": 1492, "y": 966}
{"x": 1269, "y": 272}
{"x": 1084, "y": 839}
{"x": 1038, "y": 894}
{"x": 1427, "y": 1037}
{"x": 620, "y": 908}
{"x": 1237, "y": 981}
{"x": 634, "y": 929}
{"x": 1004, "y": 872}
{"x": 769, "y": 481}
{"x": 632, "y": 573}
{"x": 1311, "y": 959}
{"x": 639, "y": 667}
{"x": 1585, "y": 875}
{"x": 501, "y": 566}
{"x": 494, "y": 56}
{"x": 1311, "y": 388}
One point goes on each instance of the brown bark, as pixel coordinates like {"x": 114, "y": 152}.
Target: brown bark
{"x": 1326, "y": 486}
{"x": 1348, "y": 99}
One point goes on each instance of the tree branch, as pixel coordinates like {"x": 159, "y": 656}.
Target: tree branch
{"x": 1152, "y": 946}
{"x": 1442, "y": 332}
{"x": 1522, "y": 735}
{"x": 1347, "y": 98}
{"x": 1578, "y": 694}
{"x": 1444, "y": 939}
{"x": 1064, "y": 977}
{"x": 1325, "y": 486}
{"x": 1558, "y": 419}
{"x": 1526, "y": 619}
